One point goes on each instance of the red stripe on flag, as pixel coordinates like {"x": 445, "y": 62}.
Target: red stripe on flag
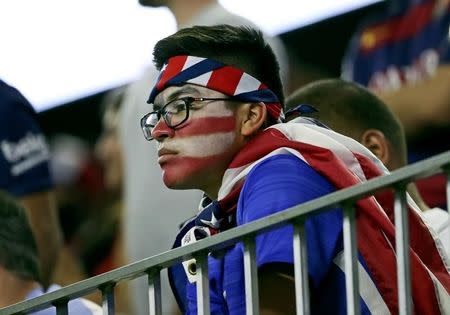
{"x": 225, "y": 80}
{"x": 174, "y": 66}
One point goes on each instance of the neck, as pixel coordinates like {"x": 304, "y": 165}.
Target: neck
{"x": 184, "y": 11}
{"x": 14, "y": 289}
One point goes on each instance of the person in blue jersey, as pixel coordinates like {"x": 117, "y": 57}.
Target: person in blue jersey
{"x": 216, "y": 117}
{"x": 139, "y": 175}
{"x": 402, "y": 54}
{"x": 352, "y": 110}
{"x": 24, "y": 172}
{"x": 20, "y": 275}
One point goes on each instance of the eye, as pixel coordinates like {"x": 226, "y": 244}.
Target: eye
{"x": 176, "y": 106}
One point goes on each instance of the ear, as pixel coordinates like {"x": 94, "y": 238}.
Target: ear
{"x": 253, "y": 117}
{"x": 376, "y": 142}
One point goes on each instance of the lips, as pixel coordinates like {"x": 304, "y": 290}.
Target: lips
{"x": 165, "y": 154}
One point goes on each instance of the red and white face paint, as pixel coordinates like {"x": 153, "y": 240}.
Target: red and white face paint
{"x": 195, "y": 154}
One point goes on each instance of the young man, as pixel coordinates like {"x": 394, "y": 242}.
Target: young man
{"x": 19, "y": 265}
{"x": 139, "y": 175}
{"x": 218, "y": 89}
{"x": 352, "y": 110}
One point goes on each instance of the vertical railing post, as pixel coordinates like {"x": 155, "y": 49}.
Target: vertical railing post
{"x": 203, "y": 304}
{"x": 301, "y": 268}
{"x": 447, "y": 175}
{"x": 351, "y": 260}
{"x": 402, "y": 250}
{"x": 62, "y": 307}
{"x": 251, "y": 277}
{"x": 108, "y": 299}
{"x": 154, "y": 291}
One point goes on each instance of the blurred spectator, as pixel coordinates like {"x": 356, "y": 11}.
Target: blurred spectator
{"x": 403, "y": 56}
{"x": 108, "y": 152}
{"x": 352, "y": 110}
{"x": 89, "y": 201}
{"x": 151, "y": 212}
{"x": 25, "y": 174}
{"x": 19, "y": 265}
{"x": 78, "y": 189}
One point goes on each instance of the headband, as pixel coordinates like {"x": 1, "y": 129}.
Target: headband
{"x": 216, "y": 76}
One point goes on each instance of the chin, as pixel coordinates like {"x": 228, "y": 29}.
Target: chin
{"x": 176, "y": 182}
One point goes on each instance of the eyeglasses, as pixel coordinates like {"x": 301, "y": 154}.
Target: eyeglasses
{"x": 174, "y": 113}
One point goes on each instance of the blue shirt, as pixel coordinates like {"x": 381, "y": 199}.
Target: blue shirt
{"x": 24, "y": 156}
{"x": 278, "y": 183}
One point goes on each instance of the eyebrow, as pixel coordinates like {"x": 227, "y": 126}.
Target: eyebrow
{"x": 175, "y": 95}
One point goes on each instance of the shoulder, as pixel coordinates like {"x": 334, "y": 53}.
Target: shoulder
{"x": 287, "y": 170}
{"x": 277, "y": 183}
{"x": 11, "y": 100}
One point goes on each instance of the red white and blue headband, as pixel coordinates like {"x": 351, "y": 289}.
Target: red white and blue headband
{"x": 216, "y": 76}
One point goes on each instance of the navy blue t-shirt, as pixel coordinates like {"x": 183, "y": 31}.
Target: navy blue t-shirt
{"x": 24, "y": 155}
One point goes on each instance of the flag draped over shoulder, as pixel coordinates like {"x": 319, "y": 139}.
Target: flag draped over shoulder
{"x": 345, "y": 162}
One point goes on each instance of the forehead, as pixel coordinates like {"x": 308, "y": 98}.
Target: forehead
{"x": 174, "y": 92}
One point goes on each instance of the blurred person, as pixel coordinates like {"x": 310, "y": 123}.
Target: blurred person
{"x": 70, "y": 159}
{"x": 19, "y": 264}
{"x": 217, "y": 108}
{"x": 109, "y": 152}
{"x": 402, "y": 54}
{"x": 90, "y": 214}
{"x": 25, "y": 174}
{"x": 403, "y": 57}
{"x": 350, "y": 109}
{"x": 157, "y": 211}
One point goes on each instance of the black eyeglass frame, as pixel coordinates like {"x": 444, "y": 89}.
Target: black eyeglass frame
{"x": 162, "y": 113}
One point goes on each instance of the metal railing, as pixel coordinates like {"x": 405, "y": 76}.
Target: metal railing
{"x": 151, "y": 267}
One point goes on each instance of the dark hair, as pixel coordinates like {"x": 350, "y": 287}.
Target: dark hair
{"x": 242, "y": 47}
{"x": 350, "y": 109}
{"x": 18, "y": 250}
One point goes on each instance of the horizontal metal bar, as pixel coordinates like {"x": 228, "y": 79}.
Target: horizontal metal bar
{"x": 409, "y": 173}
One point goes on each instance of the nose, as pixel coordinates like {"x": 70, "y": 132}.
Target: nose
{"x": 162, "y": 131}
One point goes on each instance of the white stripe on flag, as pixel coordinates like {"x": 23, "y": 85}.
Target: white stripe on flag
{"x": 441, "y": 294}
{"x": 192, "y": 60}
{"x": 247, "y": 83}
{"x": 233, "y": 175}
{"x": 202, "y": 79}
{"x": 367, "y": 289}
